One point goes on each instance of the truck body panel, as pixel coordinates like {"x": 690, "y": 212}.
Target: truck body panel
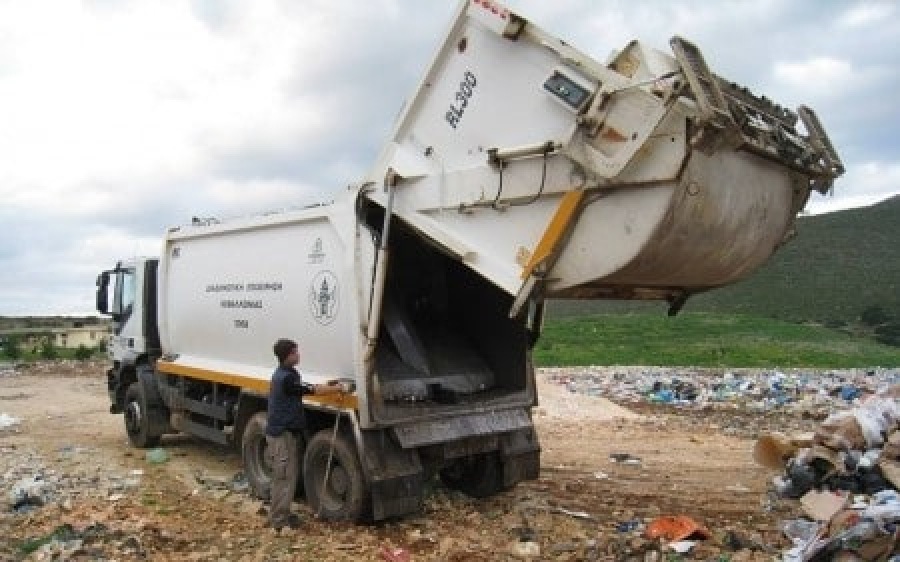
{"x": 227, "y": 290}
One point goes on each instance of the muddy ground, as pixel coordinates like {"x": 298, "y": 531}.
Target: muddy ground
{"x": 106, "y": 501}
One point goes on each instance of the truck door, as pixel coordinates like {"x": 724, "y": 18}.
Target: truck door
{"x": 117, "y": 297}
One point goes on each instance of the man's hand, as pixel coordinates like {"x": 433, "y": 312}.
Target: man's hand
{"x": 344, "y": 386}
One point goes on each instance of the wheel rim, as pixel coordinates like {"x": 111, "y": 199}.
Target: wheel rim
{"x": 338, "y": 482}
{"x": 133, "y": 418}
{"x": 334, "y": 490}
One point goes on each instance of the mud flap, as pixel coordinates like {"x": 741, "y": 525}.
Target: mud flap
{"x": 116, "y": 397}
{"x": 396, "y": 477}
{"x": 520, "y": 456}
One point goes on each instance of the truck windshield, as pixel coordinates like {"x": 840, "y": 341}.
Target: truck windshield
{"x": 125, "y": 293}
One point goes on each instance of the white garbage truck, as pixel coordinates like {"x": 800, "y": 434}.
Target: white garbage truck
{"x": 520, "y": 170}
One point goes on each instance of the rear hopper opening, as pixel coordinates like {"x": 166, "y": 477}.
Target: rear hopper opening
{"x": 446, "y": 337}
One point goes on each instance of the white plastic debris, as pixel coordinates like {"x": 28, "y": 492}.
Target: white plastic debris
{"x": 7, "y": 420}
{"x": 682, "y": 547}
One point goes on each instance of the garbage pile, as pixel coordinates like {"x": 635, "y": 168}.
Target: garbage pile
{"x": 30, "y": 480}
{"x": 846, "y": 475}
{"x": 758, "y": 390}
{"x": 9, "y": 369}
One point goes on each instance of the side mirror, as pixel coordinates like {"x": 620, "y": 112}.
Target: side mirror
{"x": 103, "y": 293}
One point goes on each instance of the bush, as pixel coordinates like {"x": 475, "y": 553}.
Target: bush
{"x": 874, "y": 316}
{"x": 49, "y": 351}
{"x": 888, "y": 334}
{"x": 11, "y": 348}
{"x": 83, "y": 352}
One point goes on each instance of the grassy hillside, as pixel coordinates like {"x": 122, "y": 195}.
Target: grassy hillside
{"x": 838, "y": 265}
{"x": 704, "y": 339}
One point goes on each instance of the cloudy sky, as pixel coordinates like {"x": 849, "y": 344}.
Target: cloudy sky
{"x": 119, "y": 118}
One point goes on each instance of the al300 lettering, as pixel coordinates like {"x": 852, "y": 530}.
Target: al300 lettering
{"x": 461, "y": 100}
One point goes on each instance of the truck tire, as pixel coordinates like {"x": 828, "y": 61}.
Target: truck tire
{"x": 257, "y": 459}
{"x": 345, "y": 495}
{"x": 478, "y": 476}
{"x": 137, "y": 420}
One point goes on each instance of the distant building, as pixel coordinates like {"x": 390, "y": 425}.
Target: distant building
{"x": 66, "y": 333}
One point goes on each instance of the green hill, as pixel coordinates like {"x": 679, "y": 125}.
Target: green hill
{"x": 837, "y": 266}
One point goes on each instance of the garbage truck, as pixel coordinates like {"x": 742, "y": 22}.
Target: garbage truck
{"x": 520, "y": 170}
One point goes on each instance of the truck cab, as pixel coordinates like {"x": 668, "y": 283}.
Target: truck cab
{"x": 127, "y": 293}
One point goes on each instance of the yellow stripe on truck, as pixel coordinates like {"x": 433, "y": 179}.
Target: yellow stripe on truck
{"x": 342, "y": 401}
{"x": 553, "y": 234}
{"x": 242, "y": 381}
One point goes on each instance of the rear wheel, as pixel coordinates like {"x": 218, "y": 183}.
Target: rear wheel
{"x": 137, "y": 418}
{"x": 257, "y": 458}
{"x": 336, "y": 490}
{"x": 478, "y": 476}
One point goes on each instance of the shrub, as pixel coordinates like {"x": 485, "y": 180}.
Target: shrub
{"x": 874, "y": 315}
{"x": 11, "y": 348}
{"x": 48, "y": 350}
{"x": 83, "y": 352}
{"x": 888, "y": 334}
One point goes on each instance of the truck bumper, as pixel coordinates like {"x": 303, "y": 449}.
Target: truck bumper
{"x": 398, "y": 461}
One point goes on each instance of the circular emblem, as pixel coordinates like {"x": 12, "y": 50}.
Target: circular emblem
{"x": 323, "y": 297}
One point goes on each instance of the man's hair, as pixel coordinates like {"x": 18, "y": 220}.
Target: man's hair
{"x": 283, "y": 348}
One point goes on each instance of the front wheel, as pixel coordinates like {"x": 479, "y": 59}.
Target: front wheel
{"x": 137, "y": 418}
{"x": 337, "y": 490}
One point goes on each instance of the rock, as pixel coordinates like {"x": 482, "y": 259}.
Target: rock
{"x": 525, "y": 549}
{"x": 28, "y": 494}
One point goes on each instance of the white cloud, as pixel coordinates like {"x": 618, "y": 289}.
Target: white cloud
{"x": 864, "y": 184}
{"x": 823, "y": 75}
{"x": 145, "y": 92}
{"x": 863, "y": 14}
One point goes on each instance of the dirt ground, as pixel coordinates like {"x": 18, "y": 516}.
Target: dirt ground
{"x": 585, "y": 506}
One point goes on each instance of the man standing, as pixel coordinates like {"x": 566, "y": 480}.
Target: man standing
{"x": 284, "y": 425}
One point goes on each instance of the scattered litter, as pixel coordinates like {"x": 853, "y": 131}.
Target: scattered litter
{"x": 624, "y": 458}
{"x": 800, "y": 529}
{"x": 7, "y": 420}
{"x": 395, "y": 554}
{"x": 676, "y": 528}
{"x": 822, "y": 506}
{"x": 629, "y": 526}
{"x": 682, "y": 547}
{"x": 28, "y": 494}
{"x": 575, "y": 514}
{"x": 157, "y": 456}
{"x": 525, "y": 549}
